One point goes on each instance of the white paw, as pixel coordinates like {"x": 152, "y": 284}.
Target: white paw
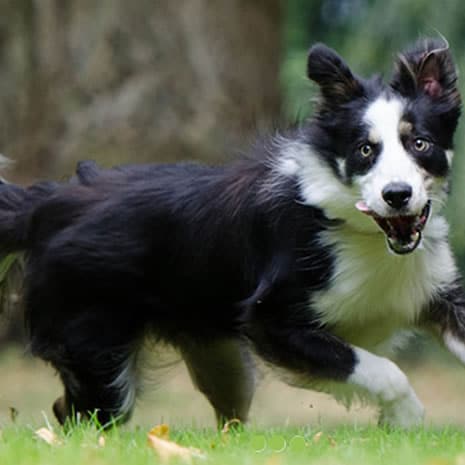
{"x": 389, "y": 386}
{"x": 404, "y": 412}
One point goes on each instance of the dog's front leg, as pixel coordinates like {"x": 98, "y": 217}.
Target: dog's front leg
{"x": 446, "y": 314}
{"x": 388, "y": 384}
{"x": 310, "y": 357}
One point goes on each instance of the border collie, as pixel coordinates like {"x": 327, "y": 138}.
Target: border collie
{"x": 312, "y": 252}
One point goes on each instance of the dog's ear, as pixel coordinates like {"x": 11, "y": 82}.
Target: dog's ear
{"x": 330, "y": 72}
{"x": 427, "y": 68}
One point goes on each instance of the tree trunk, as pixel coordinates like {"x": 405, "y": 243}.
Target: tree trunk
{"x": 133, "y": 81}
{"x": 121, "y": 81}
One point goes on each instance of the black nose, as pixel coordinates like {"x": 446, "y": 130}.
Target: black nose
{"x": 397, "y": 194}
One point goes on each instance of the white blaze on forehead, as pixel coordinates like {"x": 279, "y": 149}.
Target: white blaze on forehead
{"x": 373, "y": 136}
{"x": 383, "y": 116}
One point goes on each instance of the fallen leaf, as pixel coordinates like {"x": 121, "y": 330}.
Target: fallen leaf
{"x": 318, "y": 436}
{"x": 332, "y": 441}
{"x": 168, "y": 450}
{"x": 273, "y": 460}
{"x": 48, "y": 436}
{"x": 161, "y": 431}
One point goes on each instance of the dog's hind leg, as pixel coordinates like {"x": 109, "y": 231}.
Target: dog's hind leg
{"x": 224, "y": 372}
{"x": 103, "y": 384}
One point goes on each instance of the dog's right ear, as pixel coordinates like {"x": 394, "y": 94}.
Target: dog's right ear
{"x": 337, "y": 83}
{"x": 427, "y": 68}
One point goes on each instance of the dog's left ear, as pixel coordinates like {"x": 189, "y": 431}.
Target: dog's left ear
{"x": 427, "y": 68}
{"x": 337, "y": 83}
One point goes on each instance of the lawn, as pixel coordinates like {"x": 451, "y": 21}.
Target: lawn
{"x": 277, "y": 446}
{"x": 288, "y": 426}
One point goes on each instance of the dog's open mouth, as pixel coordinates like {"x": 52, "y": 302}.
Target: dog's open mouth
{"x": 403, "y": 233}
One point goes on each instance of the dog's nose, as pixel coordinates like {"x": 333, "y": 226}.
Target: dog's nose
{"x": 397, "y": 194}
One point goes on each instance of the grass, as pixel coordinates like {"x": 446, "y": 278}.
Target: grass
{"x": 339, "y": 445}
{"x": 29, "y": 386}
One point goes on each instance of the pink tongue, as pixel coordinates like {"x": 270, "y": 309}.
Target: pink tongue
{"x": 362, "y": 207}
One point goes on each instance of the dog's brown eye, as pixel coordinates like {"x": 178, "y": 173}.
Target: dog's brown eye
{"x": 421, "y": 145}
{"x": 366, "y": 150}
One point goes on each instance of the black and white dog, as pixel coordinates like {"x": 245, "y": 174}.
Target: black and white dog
{"x": 313, "y": 252}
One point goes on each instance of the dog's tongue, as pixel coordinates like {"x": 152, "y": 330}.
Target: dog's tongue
{"x": 363, "y": 207}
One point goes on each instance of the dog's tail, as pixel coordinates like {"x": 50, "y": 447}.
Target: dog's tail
{"x": 17, "y": 205}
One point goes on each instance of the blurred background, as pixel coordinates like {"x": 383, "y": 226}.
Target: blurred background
{"x": 164, "y": 80}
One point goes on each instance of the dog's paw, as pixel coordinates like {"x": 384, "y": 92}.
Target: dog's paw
{"x": 404, "y": 412}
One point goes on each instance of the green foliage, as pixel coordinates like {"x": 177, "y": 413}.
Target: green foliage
{"x": 368, "y": 34}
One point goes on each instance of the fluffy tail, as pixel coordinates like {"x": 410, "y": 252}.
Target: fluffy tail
{"x": 17, "y": 205}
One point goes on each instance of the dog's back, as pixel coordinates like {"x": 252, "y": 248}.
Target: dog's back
{"x": 180, "y": 252}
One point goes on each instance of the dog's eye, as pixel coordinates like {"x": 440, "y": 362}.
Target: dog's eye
{"x": 421, "y": 145}
{"x": 366, "y": 150}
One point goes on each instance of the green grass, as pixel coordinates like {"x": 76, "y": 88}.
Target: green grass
{"x": 341, "y": 445}
{"x": 30, "y": 387}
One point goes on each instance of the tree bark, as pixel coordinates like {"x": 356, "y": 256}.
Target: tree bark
{"x": 124, "y": 81}
{"x": 133, "y": 81}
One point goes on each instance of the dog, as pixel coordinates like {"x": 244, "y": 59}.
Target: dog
{"x": 311, "y": 252}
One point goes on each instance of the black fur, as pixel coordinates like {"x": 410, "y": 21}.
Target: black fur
{"x": 185, "y": 252}
{"x": 427, "y": 76}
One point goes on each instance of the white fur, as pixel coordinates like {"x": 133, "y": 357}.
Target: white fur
{"x": 449, "y": 156}
{"x": 456, "y": 346}
{"x": 394, "y": 164}
{"x": 378, "y": 291}
{"x": 375, "y": 380}
{"x": 386, "y": 382}
{"x": 371, "y": 288}
{"x": 373, "y": 294}
{"x": 127, "y": 383}
{"x": 318, "y": 183}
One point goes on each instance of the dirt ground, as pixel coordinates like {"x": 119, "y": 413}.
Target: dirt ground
{"x": 30, "y": 386}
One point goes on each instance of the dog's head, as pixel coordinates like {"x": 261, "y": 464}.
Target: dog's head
{"x": 388, "y": 145}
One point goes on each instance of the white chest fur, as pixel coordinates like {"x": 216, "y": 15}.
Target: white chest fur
{"x": 372, "y": 292}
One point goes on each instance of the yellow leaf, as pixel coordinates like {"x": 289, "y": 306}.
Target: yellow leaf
{"x": 318, "y": 436}
{"x": 48, "y": 436}
{"x": 332, "y": 441}
{"x": 168, "y": 450}
{"x": 273, "y": 460}
{"x": 161, "y": 431}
